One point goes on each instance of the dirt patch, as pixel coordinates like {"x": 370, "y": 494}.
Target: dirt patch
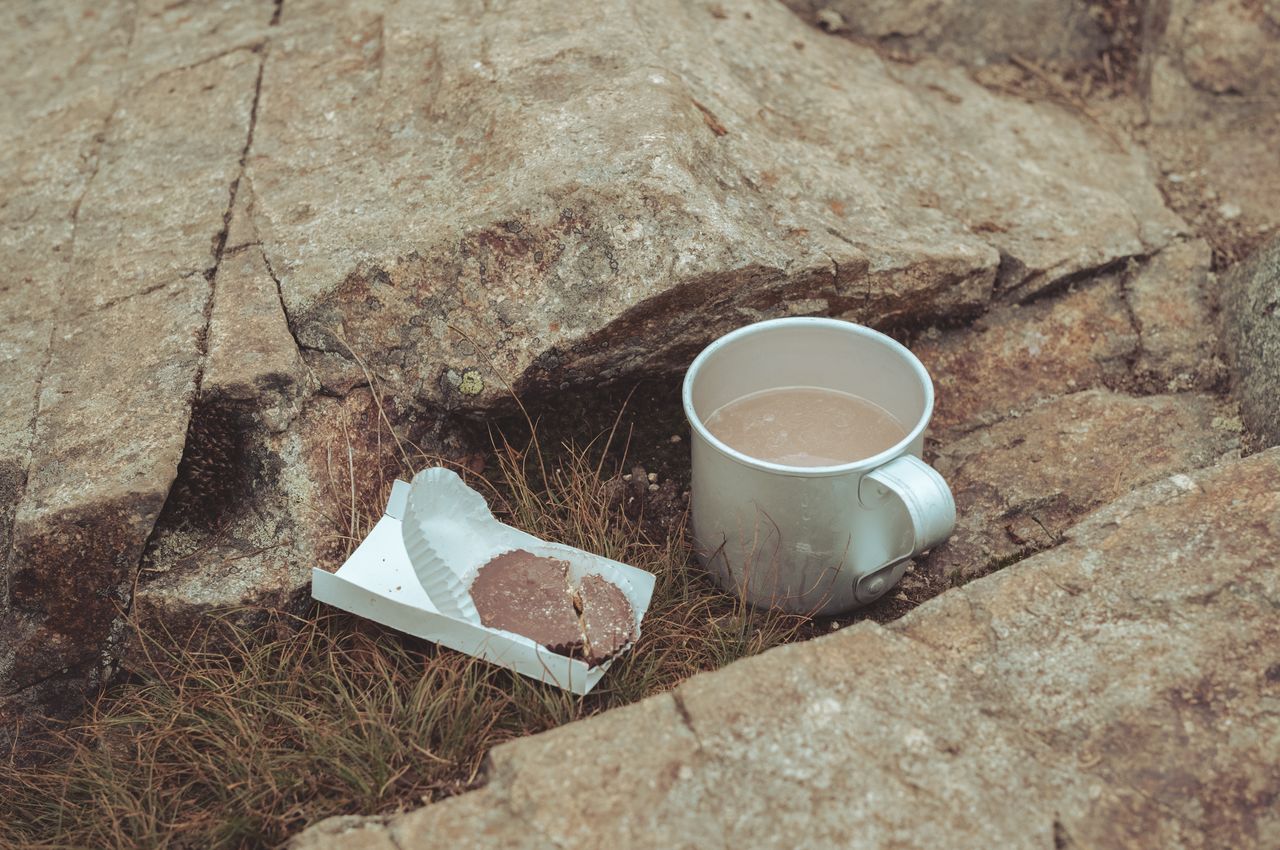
{"x": 622, "y": 425}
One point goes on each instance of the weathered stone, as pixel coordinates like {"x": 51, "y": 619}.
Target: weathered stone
{"x": 1118, "y": 690}
{"x": 1227, "y": 47}
{"x": 351, "y": 832}
{"x": 53, "y": 103}
{"x": 658, "y": 771}
{"x": 1251, "y": 319}
{"x": 253, "y": 359}
{"x": 1168, "y": 296}
{"x": 170, "y": 36}
{"x": 138, "y": 228}
{"x": 1054, "y": 347}
{"x": 1145, "y": 651}
{"x": 742, "y": 180}
{"x": 1210, "y": 74}
{"x": 1219, "y": 47}
{"x": 129, "y": 318}
{"x": 1020, "y": 483}
{"x": 480, "y": 819}
{"x": 1044, "y": 30}
{"x": 249, "y": 539}
{"x": 23, "y": 345}
{"x": 100, "y": 471}
{"x": 838, "y": 743}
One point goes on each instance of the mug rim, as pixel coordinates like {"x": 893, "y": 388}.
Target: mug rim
{"x": 862, "y": 465}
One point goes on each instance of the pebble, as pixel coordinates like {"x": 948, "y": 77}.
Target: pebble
{"x": 653, "y": 488}
{"x": 653, "y": 478}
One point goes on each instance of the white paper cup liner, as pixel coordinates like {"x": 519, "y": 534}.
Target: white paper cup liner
{"x": 444, "y": 520}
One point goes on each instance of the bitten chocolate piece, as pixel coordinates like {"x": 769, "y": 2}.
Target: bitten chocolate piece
{"x": 521, "y": 592}
{"x": 608, "y": 621}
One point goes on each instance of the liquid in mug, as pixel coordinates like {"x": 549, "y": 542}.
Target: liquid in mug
{"x": 806, "y": 426}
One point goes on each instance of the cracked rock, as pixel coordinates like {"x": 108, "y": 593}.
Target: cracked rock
{"x": 1019, "y": 484}
{"x": 1082, "y": 340}
{"x": 1169, "y": 296}
{"x": 739, "y": 174}
{"x": 1116, "y": 691}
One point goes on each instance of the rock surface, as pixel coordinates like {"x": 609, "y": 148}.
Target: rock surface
{"x": 1169, "y": 296}
{"x": 1210, "y": 80}
{"x": 113, "y": 395}
{"x": 1044, "y": 30}
{"x": 1083, "y": 340}
{"x": 1251, "y": 312}
{"x": 221, "y": 222}
{"x": 564, "y": 237}
{"x": 1119, "y": 690}
{"x": 1019, "y": 484}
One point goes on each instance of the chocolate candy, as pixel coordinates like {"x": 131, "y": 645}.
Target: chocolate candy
{"x": 530, "y": 595}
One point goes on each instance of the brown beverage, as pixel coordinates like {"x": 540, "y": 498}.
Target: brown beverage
{"x": 806, "y": 426}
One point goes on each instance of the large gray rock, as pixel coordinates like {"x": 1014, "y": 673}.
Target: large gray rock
{"x": 216, "y": 216}
{"x": 556, "y": 193}
{"x": 115, "y": 395}
{"x": 1251, "y": 332}
{"x": 1210, "y": 80}
{"x": 1118, "y": 690}
{"x": 127, "y": 124}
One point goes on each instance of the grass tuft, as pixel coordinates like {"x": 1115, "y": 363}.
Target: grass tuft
{"x": 243, "y": 735}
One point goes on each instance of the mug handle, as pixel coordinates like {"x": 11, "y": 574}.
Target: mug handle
{"x": 922, "y": 491}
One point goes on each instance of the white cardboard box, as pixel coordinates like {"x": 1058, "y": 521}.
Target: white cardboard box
{"x": 452, "y": 533}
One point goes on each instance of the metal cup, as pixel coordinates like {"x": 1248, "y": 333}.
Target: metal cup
{"x": 813, "y": 540}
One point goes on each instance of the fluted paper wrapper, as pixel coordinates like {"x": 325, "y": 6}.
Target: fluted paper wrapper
{"x": 413, "y": 572}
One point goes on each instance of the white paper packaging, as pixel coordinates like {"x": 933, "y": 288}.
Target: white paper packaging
{"x": 413, "y": 570}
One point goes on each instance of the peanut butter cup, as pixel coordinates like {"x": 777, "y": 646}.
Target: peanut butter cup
{"x": 521, "y": 592}
{"x": 530, "y": 595}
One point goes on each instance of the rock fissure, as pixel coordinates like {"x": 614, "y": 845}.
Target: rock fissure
{"x": 220, "y": 240}
{"x": 100, "y": 138}
{"x": 21, "y": 485}
{"x": 1134, "y": 358}
{"x": 284, "y": 311}
{"x": 141, "y": 293}
{"x": 194, "y": 424}
{"x": 1064, "y": 283}
{"x": 251, "y": 46}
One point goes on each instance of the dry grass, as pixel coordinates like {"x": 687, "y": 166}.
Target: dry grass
{"x": 244, "y": 735}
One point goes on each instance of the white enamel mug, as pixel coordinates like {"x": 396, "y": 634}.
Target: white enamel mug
{"x": 819, "y": 539}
